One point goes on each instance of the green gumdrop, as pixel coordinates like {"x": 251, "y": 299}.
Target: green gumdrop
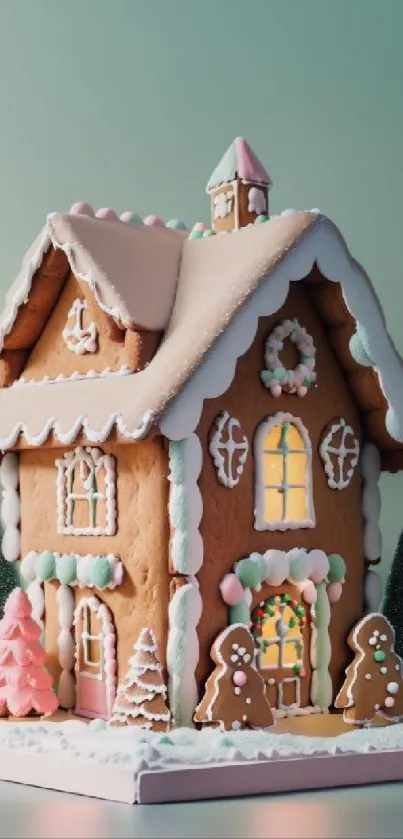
{"x": 207, "y": 233}
{"x": 266, "y": 376}
{"x": 45, "y": 566}
{"x": 379, "y": 656}
{"x": 196, "y": 234}
{"x": 66, "y": 569}
{"x": 248, "y": 572}
{"x": 165, "y": 740}
{"x": 279, "y": 373}
{"x": 263, "y": 217}
{"x": 337, "y": 568}
{"x": 239, "y": 613}
{"x": 101, "y": 572}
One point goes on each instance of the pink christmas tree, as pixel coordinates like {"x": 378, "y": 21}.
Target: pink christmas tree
{"x": 25, "y": 684}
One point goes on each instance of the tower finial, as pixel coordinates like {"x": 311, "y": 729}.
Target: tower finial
{"x": 239, "y": 188}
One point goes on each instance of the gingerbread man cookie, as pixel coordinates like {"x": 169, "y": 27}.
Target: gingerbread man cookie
{"x": 235, "y": 694}
{"x": 374, "y": 681}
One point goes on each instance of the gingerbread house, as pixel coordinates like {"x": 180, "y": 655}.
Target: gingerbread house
{"x": 193, "y": 428}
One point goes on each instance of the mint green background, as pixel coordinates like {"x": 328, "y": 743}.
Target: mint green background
{"x": 130, "y": 104}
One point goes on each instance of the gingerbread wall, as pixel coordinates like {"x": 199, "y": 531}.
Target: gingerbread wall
{"x": 228, "y": 518}
{"x": 141, "y": 541}
{"x": 51, "y": 356}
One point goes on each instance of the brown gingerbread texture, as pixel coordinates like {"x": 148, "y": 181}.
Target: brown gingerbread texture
{"x": 374, "y": 682}
{"x": 235, "y": 694}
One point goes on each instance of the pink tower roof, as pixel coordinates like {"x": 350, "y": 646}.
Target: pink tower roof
{"x": 239, "y": 160}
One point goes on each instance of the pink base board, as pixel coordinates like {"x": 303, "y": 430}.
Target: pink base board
{"x": 194, "y": 783}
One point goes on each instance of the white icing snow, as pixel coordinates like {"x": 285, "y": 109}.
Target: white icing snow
{"x": 185, "y": 611}
{"x": 137, "y": 749}
{"x": 370, "y": 463}
{"x": 10, "y": 506}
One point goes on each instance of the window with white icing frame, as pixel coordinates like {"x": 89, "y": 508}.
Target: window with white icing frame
{"x": 92, "y": 645}
{"x": 282, "y": 643}
{"x": 339, "y": 451}
{"x": 283, "y": 475}
{"x": 223, "y": 203}
{"x": 86, "y": 493}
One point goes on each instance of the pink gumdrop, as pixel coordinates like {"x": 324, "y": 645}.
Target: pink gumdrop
{"x": 231, "y": 590}
{"x": 310, "y": 595}
{"x": 81, "y": 208}
{"x": 276, "y": 390}
{"x": 302, "y": 391}
{"x": 334, "y": 591}
{"x": 154, "y": 221}
{"x": 106, "y": 213}
{"x": 239, "y": 678}
{"x": 320, "y": 565}
{"x": 200, "y": 226}
{"x": 389, "y": 701}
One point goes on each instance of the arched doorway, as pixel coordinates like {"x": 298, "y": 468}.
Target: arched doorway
{"x": 95, "y": 659}
{"x": 281, "y": 630}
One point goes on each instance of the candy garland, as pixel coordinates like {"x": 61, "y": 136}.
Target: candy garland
{"x": 276, "y": 377}
{"x": 268, "y": 609}
{"x": 303, "y": 568}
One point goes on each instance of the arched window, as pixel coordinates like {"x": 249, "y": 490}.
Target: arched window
{"x": 283, "y": 469}
{"x": 86, "y": 493}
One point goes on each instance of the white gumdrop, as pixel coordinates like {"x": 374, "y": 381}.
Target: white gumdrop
{"x": 370, "y": 463}
{"x": 372, "y": 591}
{"x": 371, "y": 502}
{"x": 11, "y": 544}
{"x": 9, "y": 471}
{"x": 65, "y": 607}
{"x": 11, "y": 508}
{"x": 37, "y": 599}
{"x": 27, "y": 566}
{"x": 372, "y": 541}
{"x": 66, "y": 649}
{"x": 66, "y": 692}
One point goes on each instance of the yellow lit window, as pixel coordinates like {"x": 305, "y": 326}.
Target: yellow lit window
{"x": 284, "y": 475}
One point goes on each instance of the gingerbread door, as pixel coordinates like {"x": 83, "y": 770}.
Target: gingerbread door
{"x": 281, "y": 630}
{"x": 95, "y": 659}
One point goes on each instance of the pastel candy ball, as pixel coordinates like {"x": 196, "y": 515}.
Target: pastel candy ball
{"x": 248, "y": 572}
{"x": 278, "y": 567}
{"x": 310, "y": 595}
{"x": 154, "y": 221}
{"x": 392, "y": 687}
{"x": 81, "y": 208}
{"x": 106, "y": 213}
{"x": 131, "y": 218}
{"x": 389, "y": 702}
{"x": 231, "y": 590}
{"x": 379, "y": 656}
{"x": 239, "y": 678}
{"x": 320, "y": 565}
{"x": 300, "y": 565}
{"x": 337, "y": 568}
{"x": 334, "y": 592}
{"x": 275, "y": 390}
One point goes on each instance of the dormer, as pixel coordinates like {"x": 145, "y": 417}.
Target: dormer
{"x": 239, "y": 189}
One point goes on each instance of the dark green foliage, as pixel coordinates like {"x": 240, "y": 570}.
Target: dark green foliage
{"x": 9, "y": 577}
{"x": 393, "y": 603}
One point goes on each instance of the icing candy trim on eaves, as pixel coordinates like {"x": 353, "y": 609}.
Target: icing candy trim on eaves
{"x": 75, "y": 377}
{"x": 80, "y": 426}
{"x": 371, "y": 344}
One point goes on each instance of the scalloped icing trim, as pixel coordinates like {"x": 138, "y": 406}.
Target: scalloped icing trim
{"x": 321, "y": 244}
{"x": 80, "y": 425}
{"x": 124, "y": 370}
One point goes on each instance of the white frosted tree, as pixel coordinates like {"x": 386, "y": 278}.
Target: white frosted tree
{"x": 141, "y": 697}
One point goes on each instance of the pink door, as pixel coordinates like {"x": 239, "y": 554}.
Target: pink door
{"x": 94, "y": 690}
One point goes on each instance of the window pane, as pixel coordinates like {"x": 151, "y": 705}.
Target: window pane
{"x": 271, "y": 657}
{"x": 273, "y": 505}
{"x": 273, "y": 469}
{"x": 272, "y": 439}
{"x": 292, "y": 653}
{"x": 294, "y": 439}
{"x": 297, "y": 508}
{"x": 296, "y": 468}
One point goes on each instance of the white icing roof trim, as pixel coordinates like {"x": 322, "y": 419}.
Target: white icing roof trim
{"x": 324, "y": 245}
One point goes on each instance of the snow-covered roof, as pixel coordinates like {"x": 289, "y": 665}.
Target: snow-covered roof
{"x": 239, "y": 161}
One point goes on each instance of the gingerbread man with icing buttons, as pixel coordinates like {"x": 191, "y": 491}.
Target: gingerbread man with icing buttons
{"x": 235, "y": 693}
{"x": 374, "y": 681}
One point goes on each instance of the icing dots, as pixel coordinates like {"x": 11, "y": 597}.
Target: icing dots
{"x": 229, "y": 449}
{"x": 339, "y": 451}
{"x": 276, "y": 377}
{"x": 392, "y": 688}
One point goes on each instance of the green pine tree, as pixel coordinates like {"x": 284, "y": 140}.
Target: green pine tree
{"x": 9, "y": 576}
{"x": 393, "y": 603}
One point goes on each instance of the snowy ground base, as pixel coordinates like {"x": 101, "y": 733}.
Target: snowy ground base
{"x": 131, "y": 765}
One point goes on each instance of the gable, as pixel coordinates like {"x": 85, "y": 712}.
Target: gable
{"x": 77, "y": 341}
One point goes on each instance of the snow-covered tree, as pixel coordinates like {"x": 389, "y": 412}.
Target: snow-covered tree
{"x": 141, "y": 697}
